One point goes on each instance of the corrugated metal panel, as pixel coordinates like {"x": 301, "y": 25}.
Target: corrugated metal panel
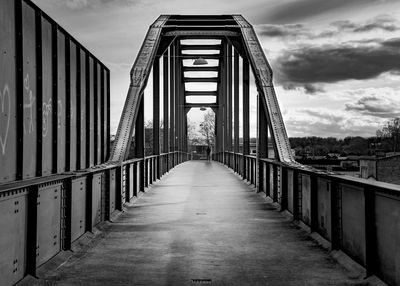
{"x": 8, "y": 136}
{"x": 13, "y": 213}
{"x": 61, "y": 104}
{"x": 96, "y": 199}
{"x": 91, "y": 112}
{"x": 29, "y": 91}
{"x": 47, "y": 106}
{"x": 73, "y": 128}
{"x": 48, "y": 222}
{"x": 83, "y": 109}
{"x": 78, "y": 212}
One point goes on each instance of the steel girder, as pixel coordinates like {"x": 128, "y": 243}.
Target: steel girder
{"x": 263, "y": 73}
{"x": 248, "y": 46}
{"x": 139, "y": 75}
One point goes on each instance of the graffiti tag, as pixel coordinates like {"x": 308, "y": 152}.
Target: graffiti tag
{"x": 29, "y": 106}
{"x": 5, "y": 115}
{"x": 47, "y": 107}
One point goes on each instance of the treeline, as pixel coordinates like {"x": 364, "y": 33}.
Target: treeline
{"x": 318, "y": 146}
{"x": 387, "y": 139}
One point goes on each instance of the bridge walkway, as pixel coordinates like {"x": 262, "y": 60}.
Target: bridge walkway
{"x": 201, "y": 221}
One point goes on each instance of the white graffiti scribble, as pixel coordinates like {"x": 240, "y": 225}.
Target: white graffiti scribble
{"x": 59, "y": 113}
{"x": 29, "y": 105}
{"x": 47, "y": 108}
{"x": 5, "y": 115}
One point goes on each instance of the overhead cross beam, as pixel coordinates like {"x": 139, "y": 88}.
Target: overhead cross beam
{"x": 165, "y": 40}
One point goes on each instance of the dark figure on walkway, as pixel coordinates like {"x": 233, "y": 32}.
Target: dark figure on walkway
{"x": 208, "y": 153}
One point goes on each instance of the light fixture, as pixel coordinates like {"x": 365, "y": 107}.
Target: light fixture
{"x": 199, "y": 61}
{"x": 203, "y": 108}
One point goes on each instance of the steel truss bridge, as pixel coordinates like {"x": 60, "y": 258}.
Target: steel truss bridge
{"x": 60, "y": 177}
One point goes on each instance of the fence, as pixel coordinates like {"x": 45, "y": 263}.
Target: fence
{"x": 42, "y": 216}
{"x": 357, "y": 216}
{"x": 54, "y": 97}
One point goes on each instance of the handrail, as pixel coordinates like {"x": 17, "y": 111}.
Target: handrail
{"x": 355, "y": 215}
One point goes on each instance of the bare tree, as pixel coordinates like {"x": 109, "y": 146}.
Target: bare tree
{"x": 391, "y": 131}
{"x": 207, "y": 127}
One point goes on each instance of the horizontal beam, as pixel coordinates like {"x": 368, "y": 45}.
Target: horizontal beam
{"x": 201, "y": 93}
{"x": 204, "y": 56}
{"x": 200, "y": 47}
{"x": 201, "y": 79}
{"x": 203, "y": 34}
{"x": 200, "y": 26}
{"x": 201, "y": 69}
{"x": 194, "y": 105}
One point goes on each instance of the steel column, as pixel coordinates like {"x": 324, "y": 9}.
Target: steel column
{"x": 166, "y": 103}
{"x": 223, "y": 94}
{"x": 156, "y": 106}
{"x": 172, "y": 69}
{"x": 178, "y": 113}
{"x": 236, "y": 101}
{"x": 246, "y": 109}
{"x": 139, "y": 141}
{"x": 229, "y": 97}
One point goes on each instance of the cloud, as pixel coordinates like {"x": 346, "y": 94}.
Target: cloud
{"x": 394, "y": 42}
{"x": 299, "y": 31}
{"x": 378, "y": 106}
{"x": 305, "y": 127}
{"x": 381, "y": 22}
{"x": 81, "y": 4}
{"x": 289, "y": 30}
{"x": 292, "y": 11}
{"x": 323, "y": 122}
{"x": 324, "y": 115}
{"x": 311, "y": 65}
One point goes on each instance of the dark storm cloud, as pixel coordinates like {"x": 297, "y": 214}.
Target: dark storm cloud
{"x": 375, "y": 106}
{"x": 289, "y": 30}
{"x": 334, "y": 63}
{"x": 394, "y": 42}
{"x": 302, "y": 9}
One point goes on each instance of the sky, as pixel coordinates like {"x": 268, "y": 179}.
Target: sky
{"x": 336, "y": 64}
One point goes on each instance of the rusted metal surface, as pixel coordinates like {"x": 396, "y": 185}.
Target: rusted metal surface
{"x": 40, "y": 81}
{"x": 72, "y": 148}
{"x": 8, "y": 135}
{"x": 29, "y": 91}
{"x": 90, "y": 102}
{"x": 13, "y": 214}
{"x": 78, "y": 208}
{"x": 139, "y": 73}
{"x": 48, "y": 222}
{"x": 47, "y": 103}
{"x": 96, "y": 198}
{"x": 83, "y": 117}
{"x": 263, "y": 73}
{"x": 61, "y": 102}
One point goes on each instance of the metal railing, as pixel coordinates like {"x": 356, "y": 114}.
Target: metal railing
{"x": 357, "y": 216}
{"x": 49, "y": 213}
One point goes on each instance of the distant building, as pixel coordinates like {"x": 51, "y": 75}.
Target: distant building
{"x": 271, "y": 151}
{"x": 384, "y": 169}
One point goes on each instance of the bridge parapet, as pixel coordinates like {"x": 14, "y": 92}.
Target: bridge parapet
{"x": 43, "y": 216}
{"x": 357, "y": 216}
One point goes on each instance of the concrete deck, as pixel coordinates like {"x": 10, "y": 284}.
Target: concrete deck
{"x": 201, "y": 221}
